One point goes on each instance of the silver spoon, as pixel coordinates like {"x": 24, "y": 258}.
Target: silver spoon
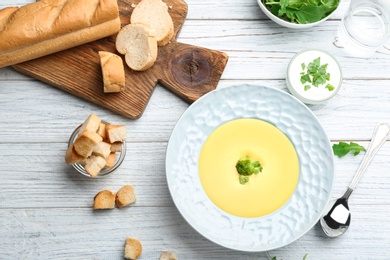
{"x": 338, "y": 217}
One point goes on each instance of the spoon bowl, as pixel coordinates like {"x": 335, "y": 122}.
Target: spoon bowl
{"x": 337, "y": 218}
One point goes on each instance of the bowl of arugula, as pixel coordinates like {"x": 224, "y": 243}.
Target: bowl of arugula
{"x": 298, "y": 14}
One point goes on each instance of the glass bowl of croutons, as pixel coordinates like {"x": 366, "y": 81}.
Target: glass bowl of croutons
{"x": 96, "y": 148}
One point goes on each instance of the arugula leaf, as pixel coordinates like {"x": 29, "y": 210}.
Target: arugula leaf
{"x": 342, "y": 148}
{"x": 301, "y": 11}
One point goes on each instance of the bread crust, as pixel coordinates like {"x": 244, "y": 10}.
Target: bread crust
{"x": 48, "y": 26}
{"x": 113, "y": 72}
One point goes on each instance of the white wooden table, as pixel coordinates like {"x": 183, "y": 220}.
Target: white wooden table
{"x": 45, "y": 207}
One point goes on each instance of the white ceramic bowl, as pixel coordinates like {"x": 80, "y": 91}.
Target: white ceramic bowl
{"x": 290, "y": 24}
{"x": 315, "y": 95}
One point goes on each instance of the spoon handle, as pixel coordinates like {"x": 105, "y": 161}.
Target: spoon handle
{"x": 379, "y": 137}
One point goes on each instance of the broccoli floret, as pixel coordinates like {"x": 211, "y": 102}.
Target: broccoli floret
{"x": 245, "y": 167}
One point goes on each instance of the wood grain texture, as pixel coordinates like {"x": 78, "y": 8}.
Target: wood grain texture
{"x": 45, "y": 206}
{"x": 78, "y": 71}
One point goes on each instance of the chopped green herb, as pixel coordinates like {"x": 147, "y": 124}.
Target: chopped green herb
{"x": 243, "y": 179}
{"x": 315, "y": 74}
{"x": 342, "y": 148}
{"x": 303, "y": 65}
{"x": 307, "y": 87}
{"x": 330, "y": 87}
{"x": 245, "y": 167}
{"x": 305, "y": 78}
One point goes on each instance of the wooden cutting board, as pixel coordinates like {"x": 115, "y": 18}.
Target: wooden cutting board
{"x": 186, "y": 70}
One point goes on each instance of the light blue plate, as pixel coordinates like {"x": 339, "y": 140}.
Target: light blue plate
{"x": 313, "y": 191}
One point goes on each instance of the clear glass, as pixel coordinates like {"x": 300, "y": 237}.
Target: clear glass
{"x": 105, "y": 171}
{"x": 364, "y": 28}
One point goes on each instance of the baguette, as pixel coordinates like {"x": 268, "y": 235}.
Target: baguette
{"x": 48, "y": 26}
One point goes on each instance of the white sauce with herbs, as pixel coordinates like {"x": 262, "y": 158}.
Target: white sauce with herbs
{"x": 318, "y": 94}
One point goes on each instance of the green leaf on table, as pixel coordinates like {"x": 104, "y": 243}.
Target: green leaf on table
{"x": 343, "y": 148}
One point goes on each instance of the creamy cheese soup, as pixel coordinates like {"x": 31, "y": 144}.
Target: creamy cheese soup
{"x": 261, "y": 141}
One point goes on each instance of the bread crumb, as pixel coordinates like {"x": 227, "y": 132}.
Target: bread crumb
{"x": 104, "y": 200}
{"x": 125, "y": 196}
{"x": 116, "y": 147}
{"x": 168, "y": 255}
{"x": 102, "y": 149}
{"x": 116, "y": 133}
{"x": 94, "y": 165}
{"x": 133, "y": 248}
{"x": 90, "y": 124}
{"x": 85, "y": 142}
{"x": 110, "y": 161}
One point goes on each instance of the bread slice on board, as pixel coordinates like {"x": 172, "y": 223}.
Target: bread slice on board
{"x": 113, "y": 72}
{"x": 154, "y": 13}
{"x": 139, "y": 46}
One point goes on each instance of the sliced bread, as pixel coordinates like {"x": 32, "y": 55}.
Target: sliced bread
{"x": 139, "y": 46}
{"x": 154, "y": 13}
{"x": 113, "y": 72}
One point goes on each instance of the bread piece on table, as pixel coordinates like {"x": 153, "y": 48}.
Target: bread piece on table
{"x": 85, "y": 142}
{"x": 154, "y": 13}
{"x": 110, "y": 160}
{"x": 94, "y": 165}
{"x": 116, "y": 133}
{"x": 102, "y": 149}
{"x": 125, "y": 196}
{"x": 168, "y": 256}
{"x": 116, "y": 147}
{"x": 133, "y": 248}
{"x": 71, "y": 157}
{"x": 92, "y": 123}
{"x": 113, "y": 72}
{"x": 48, "y": 26}
{"x": 138, "y": 45}
{"x": 104, "y": 200}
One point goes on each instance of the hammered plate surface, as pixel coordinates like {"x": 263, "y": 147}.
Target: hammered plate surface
{"x": 292, "y": 117}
